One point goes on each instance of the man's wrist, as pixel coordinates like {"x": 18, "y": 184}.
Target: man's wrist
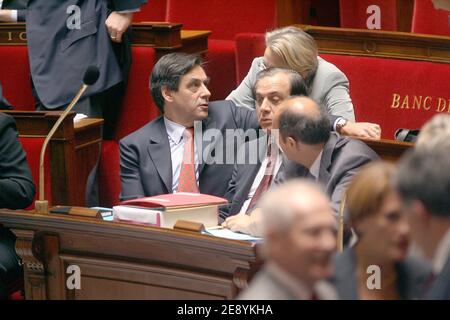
{"x": 339, "y": 124}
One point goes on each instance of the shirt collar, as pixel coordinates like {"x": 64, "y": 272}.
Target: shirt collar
{"x": 315, "y": 168}
{"x": 174, "y": 130}
{"x": 442, "y": 254}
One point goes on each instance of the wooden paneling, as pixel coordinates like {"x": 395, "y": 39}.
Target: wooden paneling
{"x": 124, "y": 261}
{"x": 384, "y": 44}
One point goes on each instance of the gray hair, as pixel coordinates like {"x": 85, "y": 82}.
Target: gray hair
{"x": 435, "y": 133}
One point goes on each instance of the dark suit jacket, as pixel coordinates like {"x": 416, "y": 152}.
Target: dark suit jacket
{"x": 60, "y": 56}
{"x": 4, "y": 104}
{"x": 440, "y": 288}
{"x": 342, "y": 157}
{"x": 411, "y": 276}
{"x": 145, "y": 159}
{"x": 16, "y": 184}
{"x": 244, "y": 174}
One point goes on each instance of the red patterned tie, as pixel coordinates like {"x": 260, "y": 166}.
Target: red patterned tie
{"x": 187, "y": 181}
{"x": 266, "y": 180}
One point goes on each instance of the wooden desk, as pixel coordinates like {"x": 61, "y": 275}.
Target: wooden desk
{"x": 389, "y": 150}
{"x": 165, "y": 37}
{"x": 124, "y": 261}
{"x": 382, "y": 44}
{"x": 74, "y": 151}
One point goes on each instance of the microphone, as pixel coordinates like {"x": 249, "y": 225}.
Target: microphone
{"x": 90, "y": 77}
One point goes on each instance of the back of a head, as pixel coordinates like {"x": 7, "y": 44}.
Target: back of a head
{"x": 168, "y": 72}
{"x": 424, "y": 175}
{"x": 304, "y": 120}
{"x": 297, "y": 48}
{"x": 435, "y": 133}
{"x": 368, "y": 189}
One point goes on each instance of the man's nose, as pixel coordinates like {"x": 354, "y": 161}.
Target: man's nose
{"x": 266, "y": 106}
{"x": 205, "y": 92}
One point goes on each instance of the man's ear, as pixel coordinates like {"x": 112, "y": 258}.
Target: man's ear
{"x": 291, "y": 142}
{"x": 167, "y": 94}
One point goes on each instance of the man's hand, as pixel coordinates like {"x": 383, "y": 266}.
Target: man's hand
{"x": 5, "y": 15}
{"x": 117, "y": 23}
{"x": 249, "y": 224}
{"x": 361, "y": 130}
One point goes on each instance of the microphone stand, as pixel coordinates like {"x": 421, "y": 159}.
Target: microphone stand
{"x": 41, "y": 205}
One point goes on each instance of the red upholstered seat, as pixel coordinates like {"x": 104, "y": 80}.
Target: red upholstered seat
{"x": 357, "y": 14}
{"x": 427, "y": 19}
{"x": 395, "y": 93}
{"x": 109, "y": 174}
{"x": 154, "y": 10}
{"x": 225, "y": 19}
{"x": 248, "y": 46}
{"x": 32, "y": 147}
{"x": 15, "y": 77}
{"x": 138, "y": 107}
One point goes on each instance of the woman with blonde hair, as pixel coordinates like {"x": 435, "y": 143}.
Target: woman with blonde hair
{"x": 377, "y": 267}
{"x": 292, "y": 48}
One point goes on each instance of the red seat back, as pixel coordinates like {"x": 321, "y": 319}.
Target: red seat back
{"x": 15, "y": 77}
{"x": 248, "y": 46}
{"x": 138, "y": 107}
{"x": 109, "y": 174}
{"x": 399, "y": 94}
{"x": 224, "y": 18}
{"x": 427, "y": 19}
{"x": 32, "y": 147}
{"x": 369, "y": 14}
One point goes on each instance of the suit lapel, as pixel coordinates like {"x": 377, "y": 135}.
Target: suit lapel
{"x": 159, "y": 152}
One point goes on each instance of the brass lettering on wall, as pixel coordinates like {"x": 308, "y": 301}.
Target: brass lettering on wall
{"x": 23, "y": 36}
{"x": 419, "y": 102}
{"x": 9, "y": 36}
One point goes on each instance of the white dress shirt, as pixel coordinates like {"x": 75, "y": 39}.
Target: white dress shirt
{"x": 260, "y": 176}
{"x": 175, "y": 133}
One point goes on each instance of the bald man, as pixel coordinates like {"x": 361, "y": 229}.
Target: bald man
{"x": 314, "y": 152}
{"x": 300, "y": 239}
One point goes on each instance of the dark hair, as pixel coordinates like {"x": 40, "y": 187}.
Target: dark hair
{"x": 168, "y": 71}
{"x": 424, "y": 175}
{"x": 303, "y": 127}
{"x": 298, "y": 86}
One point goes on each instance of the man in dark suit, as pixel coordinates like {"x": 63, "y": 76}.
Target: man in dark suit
{"x": 272, "y": 86}
{"x": 423, "y": 180}
{"x": 16, "y": 192}
{"x": 325, "y": 157}
{"x": 162, "y": 157}
{"x": 65, "y": 38}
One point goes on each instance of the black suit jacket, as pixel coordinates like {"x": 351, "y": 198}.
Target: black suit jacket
{"x": 59, "y": 56}
{"x": 16, "y": 184}
{"x": 145, "y": 159}
{"x": 411, "y": 276}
